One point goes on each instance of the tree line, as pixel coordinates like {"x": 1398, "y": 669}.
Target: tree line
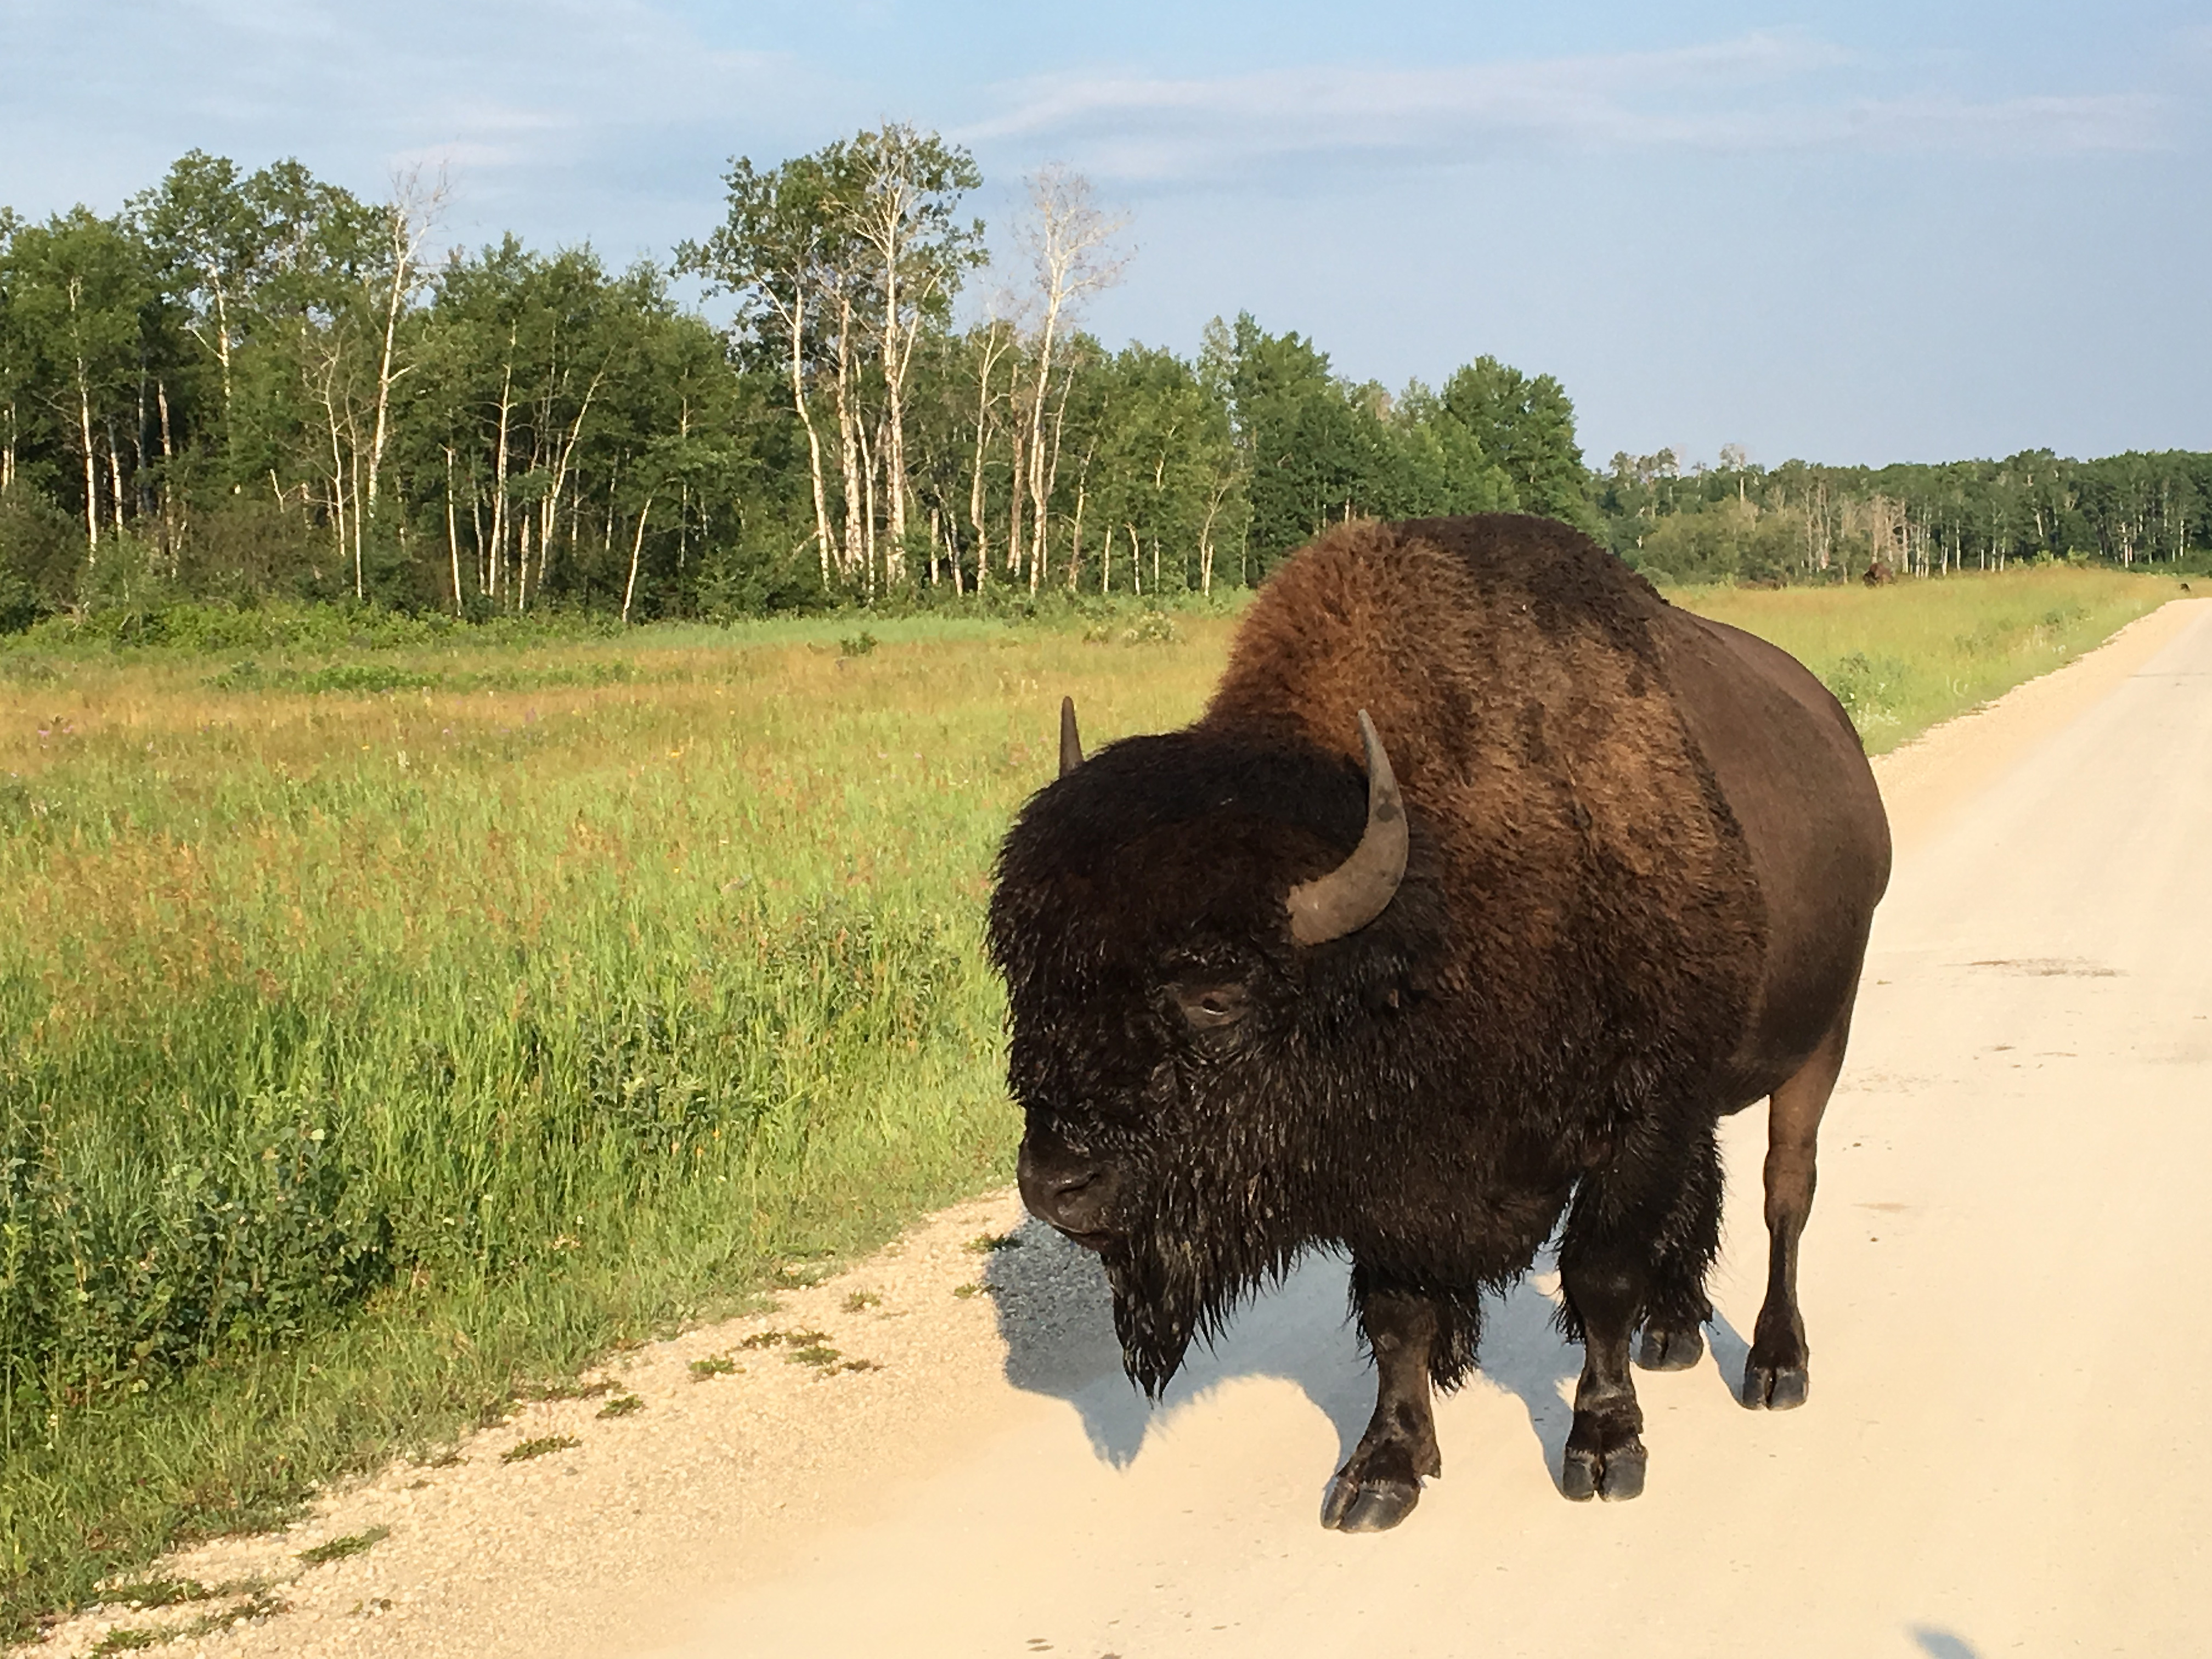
{"x": 1804, "y": 522}
{"x": 256, "y": 385}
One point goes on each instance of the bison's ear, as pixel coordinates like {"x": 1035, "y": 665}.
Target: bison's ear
{"x": 1071, "y": 744}
{"x": 1361, "y": 887}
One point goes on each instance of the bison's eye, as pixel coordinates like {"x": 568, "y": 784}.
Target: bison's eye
{"x": 1211, "y": 1007}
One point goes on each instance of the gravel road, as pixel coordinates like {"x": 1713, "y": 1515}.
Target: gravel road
{"x": 2002, "y": 1281}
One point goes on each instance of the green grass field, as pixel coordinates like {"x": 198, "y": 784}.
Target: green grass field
{"x": 387, "y": 1029}
{"x": 1902, "y": 658}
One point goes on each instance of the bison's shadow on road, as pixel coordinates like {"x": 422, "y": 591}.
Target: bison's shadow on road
{"x": 1055, "y": 1317}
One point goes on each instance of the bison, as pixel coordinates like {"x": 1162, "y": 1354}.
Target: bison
{"x": 1486, "y": 883}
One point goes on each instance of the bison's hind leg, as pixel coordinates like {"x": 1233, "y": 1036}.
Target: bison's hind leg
{"x": 1638, "y": 1241}
{"x": 1775, "y": 1374}
{"x": 1680, "y": 1253}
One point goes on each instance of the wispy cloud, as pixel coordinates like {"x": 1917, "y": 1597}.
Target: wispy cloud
{"x": 547, "y": 99}
{"x": 1759, "y": 92}
{"x": 496, "y": 66}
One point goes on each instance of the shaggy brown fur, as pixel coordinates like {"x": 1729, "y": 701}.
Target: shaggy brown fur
{"x": 1515, "y": 673}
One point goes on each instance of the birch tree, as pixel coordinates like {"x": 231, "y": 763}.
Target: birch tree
{"x": 992, "y": 341}
{"x": 909, "y": 183}
{"x": 776, "y": 251}
{"x": 203, "y": 223}
{"x": 408, "y": 216}
{"x": 78, "y": 286}
{"x": 1069, "y": 244}
{"x": 18, "y": 378}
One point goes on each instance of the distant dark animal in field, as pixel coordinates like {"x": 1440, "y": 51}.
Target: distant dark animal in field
{"x": 1597, "y": 872}
{"x": 1878, "y": 575}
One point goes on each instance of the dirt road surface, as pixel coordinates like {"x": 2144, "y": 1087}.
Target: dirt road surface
{"x": 2003, "y": 1282}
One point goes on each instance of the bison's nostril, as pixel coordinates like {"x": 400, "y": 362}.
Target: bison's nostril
{"x": 1076, "y": 1196}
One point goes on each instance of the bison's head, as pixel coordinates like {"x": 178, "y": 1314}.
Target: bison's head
{"x": 1204, "y": 942}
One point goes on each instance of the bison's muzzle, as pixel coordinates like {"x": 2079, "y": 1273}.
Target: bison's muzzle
{"x": 1071, "y": 1190}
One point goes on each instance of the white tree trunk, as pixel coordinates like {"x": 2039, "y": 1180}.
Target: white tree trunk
{"x": 453, "y": 531}
{"x": 891, "y": 217}
{"x": 1068, "y": 241}
{"x": 867, "y": 512}
{"x": 1082, "y": 496}
{"x": 91, "y": 466}
{"x": 1035, "y": 439}
{"x": 115, "y": 482}
{"x": 499, "y": 467}
{"x": 549, "y": 513}
{"x": 84, "y": 433}
{"x": 848, "y": 452}
{"x": 993, "y": 348}
{"x": 1219, "y": 495}
{"x": 636, "y": 552}
{"x": 408, "y": 218}
{"x": 794, "y": 319}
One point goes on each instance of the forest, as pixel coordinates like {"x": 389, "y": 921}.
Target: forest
{"x": 248, "y": 387}
{"x": 1802, "y": 522}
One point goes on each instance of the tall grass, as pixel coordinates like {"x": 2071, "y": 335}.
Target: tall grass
{"x": 358, "y": 1051}
{"x": 382, "y": 1025}
{"x": 1900, "y": 658}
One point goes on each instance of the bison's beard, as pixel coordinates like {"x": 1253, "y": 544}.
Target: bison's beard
{"x": 1180, "y": 1272}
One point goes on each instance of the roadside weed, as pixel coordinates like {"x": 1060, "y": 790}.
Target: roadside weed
{"x": 542, "y": 1446}
{"x": 338, "y": 1548}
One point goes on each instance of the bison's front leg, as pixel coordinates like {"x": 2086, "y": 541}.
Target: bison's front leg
{"x": 1605, "y": 1452}
{"x": 1379, "y": 1484}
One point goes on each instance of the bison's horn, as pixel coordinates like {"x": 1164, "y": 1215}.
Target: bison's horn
{"x": 1071, "y": 745}
{"x": 1361, "y": 887}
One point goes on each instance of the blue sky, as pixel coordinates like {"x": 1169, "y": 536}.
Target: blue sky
{"x": 1858, "y": 233}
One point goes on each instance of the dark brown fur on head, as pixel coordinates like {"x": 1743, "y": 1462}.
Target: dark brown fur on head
{"x": 1425, "y": 1090}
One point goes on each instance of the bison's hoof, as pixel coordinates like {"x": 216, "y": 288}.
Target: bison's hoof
{"x": 1378, "y": 1488}
{"x": 1664, "y": 1350}
{"x": 1615, "y": 1476}
{"x": 1778, "y": 1388}
{"x": 1370, "y": 1506}
{"x": 1601, "y": 1461}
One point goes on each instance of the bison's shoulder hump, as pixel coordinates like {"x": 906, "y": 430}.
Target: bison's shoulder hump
{"x": 1552, "y": 565}
{"x": 1436, "y": 626}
